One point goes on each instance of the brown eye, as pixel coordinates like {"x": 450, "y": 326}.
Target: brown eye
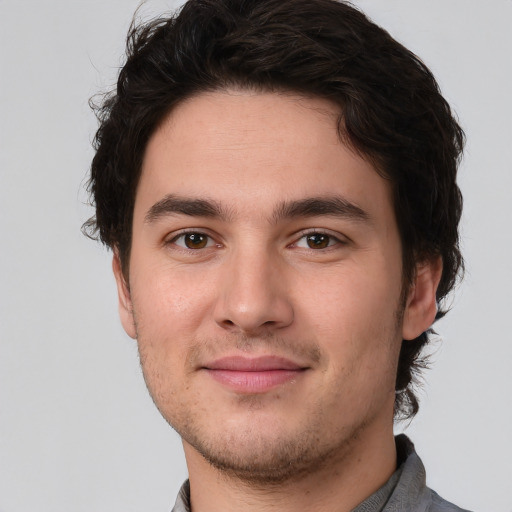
{"x": 318, "y": 240}
{"x": 195, "y": 240}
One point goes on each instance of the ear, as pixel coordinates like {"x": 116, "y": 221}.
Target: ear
{"x": 125, "y": 301}
{"x": 421, "y": 306}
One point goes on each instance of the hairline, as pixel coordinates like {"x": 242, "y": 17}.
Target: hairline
{"x": 233, "y": 86}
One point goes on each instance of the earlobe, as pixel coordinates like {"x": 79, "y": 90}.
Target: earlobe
{"x": 421, "y": 306}
{"x": 124, "y": 297}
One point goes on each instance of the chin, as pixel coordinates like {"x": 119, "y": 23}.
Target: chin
{"x": 268, "y": 455}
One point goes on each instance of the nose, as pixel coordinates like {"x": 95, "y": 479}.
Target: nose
{"x": 253, "y": 297}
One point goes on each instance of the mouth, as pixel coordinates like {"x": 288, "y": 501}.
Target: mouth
{"x": 254, "y": 375}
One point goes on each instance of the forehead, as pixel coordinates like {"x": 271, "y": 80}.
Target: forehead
{"x": 238, "y": 115}
{"x": 235, "y": 146}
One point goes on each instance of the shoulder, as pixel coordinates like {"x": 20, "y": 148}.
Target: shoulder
{"x": 411, "y": 492}
{"x": 438, "y": 504}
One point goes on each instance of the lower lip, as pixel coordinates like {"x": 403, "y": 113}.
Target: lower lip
{"x": 254, "y": 382}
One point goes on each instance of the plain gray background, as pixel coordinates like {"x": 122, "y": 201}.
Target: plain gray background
{"x": 78, "y": 431}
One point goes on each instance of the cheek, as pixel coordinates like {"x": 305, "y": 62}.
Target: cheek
{"x": 171, "y": 300}
{"x": 358, "y": 295}
{"x": 354, "y": 317}
{"x": 165, "y": 319}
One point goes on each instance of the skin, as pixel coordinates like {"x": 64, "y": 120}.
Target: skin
{"x": 256, "y": 278}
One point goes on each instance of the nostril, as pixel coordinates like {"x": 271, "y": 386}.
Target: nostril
{"x": 249, "y": 308}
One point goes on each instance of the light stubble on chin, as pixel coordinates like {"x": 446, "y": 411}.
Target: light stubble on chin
{"x": 249, "y": 456}
{"x": 271, "y": 464}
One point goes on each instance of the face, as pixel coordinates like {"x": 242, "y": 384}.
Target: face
{"x": 265, "y": 284}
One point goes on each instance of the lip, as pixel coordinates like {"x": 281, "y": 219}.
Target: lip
{"x": 253, "y": 375}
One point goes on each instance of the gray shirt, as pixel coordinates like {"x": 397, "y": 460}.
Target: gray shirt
{"x": 405, "y": 491}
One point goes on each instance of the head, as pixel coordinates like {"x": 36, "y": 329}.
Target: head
{"x": 389, "y": 112}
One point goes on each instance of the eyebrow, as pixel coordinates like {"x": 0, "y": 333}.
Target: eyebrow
{"x": 177, "y": 205}
{"x": 331, "y": 206}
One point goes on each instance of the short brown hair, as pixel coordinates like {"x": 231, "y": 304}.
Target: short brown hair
{"x": 392, "y": 113}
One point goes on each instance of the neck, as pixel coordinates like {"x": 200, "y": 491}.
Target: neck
{"x": 339, "y": 486}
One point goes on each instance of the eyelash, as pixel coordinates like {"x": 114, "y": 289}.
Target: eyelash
{"x": 332, "y": 240}
{"x": 209, "y": 242}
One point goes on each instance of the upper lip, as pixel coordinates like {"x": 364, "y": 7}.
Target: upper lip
{"x": 253, "y": 364}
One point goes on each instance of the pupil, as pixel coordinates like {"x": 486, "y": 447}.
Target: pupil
{"x": 318, "y": 241}
{"x": 195, "y": 241}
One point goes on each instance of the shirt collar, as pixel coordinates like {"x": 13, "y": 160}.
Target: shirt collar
{"x": 405, "y": 489}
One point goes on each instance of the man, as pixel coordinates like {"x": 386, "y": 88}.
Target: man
{"x": 277, "y": 182}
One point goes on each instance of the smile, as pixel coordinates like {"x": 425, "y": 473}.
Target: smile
{"x": 253, "y": 375}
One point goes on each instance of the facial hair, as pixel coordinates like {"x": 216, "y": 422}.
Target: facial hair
{"x": 246, "y": 454}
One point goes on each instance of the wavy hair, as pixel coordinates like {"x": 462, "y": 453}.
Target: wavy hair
{"x": 392, "y": 113}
